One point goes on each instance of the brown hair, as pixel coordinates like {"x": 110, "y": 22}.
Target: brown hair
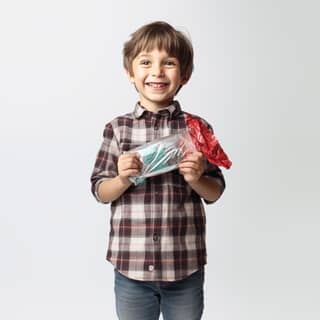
{"x": 162, "y": 36}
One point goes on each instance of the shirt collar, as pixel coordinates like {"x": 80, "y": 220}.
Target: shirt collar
{"x": 173, "y": 110}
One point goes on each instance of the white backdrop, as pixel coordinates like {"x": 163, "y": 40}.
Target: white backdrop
{"x": 256, "y": 80}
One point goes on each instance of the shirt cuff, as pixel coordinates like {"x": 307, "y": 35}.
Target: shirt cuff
{"x": 220, "y": 180}
{"x": 95, "y": 191}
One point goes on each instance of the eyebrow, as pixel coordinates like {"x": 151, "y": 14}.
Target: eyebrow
{"x": 146, "y": 55}
{"x": 143, "y": 55}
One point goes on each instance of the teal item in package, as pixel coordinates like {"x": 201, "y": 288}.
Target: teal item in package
{"x": 162, "y": 155}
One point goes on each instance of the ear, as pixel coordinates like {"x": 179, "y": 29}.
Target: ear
{"x": 130, "y": 76}
{"x": 184, "y": 81}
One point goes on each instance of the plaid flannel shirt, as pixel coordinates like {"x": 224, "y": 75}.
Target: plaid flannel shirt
{"x": 157, "y": 228}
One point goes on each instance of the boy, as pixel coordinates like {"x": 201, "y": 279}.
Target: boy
{"x": 157, "y": 233}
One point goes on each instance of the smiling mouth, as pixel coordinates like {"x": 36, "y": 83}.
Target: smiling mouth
{"x": 157, "y": 85}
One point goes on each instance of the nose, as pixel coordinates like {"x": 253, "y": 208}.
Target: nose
{"x": 157, "y": 70}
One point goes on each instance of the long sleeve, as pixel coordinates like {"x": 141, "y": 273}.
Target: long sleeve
{"x": 106, "y": 162}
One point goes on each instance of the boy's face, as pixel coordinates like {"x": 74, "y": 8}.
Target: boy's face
{"x": 157, "y": 78}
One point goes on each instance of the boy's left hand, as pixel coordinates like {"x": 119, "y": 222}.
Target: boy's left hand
{"x": 192, "y": 167}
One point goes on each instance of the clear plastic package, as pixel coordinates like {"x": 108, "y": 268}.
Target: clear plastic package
{"x": 162, "y": 155}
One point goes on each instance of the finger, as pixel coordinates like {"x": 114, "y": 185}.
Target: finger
{"x": 130, "y": 160}
{"x": 189, "y": 164}
{"x": 195, "y": 154}
{"x": 188, "y": 171}
{"x": 191, "y": 167}
{"x": 125, "y": 156}
{"x": 130, "y": 165}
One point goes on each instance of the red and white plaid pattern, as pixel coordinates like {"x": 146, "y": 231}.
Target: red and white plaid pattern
{"x": 157, "y": 228}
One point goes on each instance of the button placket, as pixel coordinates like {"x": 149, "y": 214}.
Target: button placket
{"x": 156, "y": 125}
{"x": 156, "y": 237}
{"x": 157, "y": 122}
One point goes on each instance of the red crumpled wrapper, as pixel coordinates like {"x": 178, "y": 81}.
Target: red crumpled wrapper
{"x": 206, "y": 143}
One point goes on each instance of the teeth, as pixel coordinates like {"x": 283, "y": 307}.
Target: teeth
{"x": 156, "y": 85}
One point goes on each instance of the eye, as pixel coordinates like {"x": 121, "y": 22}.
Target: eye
{"x": 170, "y": 63}
{"x": 145, "y": 62}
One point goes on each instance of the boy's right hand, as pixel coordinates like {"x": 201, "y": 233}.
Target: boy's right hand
{"x": 129, "y": 164}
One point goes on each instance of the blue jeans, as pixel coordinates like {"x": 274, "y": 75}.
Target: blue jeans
{"x": 144, "y": 300}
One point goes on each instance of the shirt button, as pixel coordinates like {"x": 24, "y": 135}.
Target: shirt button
{"x": 151, "y": 267}
{"x": 155, "y": 237}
